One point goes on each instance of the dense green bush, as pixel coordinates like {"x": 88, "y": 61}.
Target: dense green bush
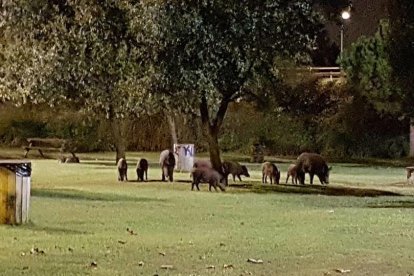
{"x": 19, "y": 123}
{"x": 358, "y": 129}
{"x": 147, "y": 133}
{"x": 279, "y": 133}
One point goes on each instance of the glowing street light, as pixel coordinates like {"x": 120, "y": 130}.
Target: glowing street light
{"x": 345, "y": 15}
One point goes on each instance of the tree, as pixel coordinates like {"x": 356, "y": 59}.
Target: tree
{"x": 211, "y": 51}
{"x": 401, "y": 56}
{"x": 370, "y": 119}
{"x": 368, "y": 70}
{"x": 87, "y": 54}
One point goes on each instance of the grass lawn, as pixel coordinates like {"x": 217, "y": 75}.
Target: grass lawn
{"x": 80, "y": 214}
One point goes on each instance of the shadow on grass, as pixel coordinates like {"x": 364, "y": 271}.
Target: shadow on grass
{"x": 82, "y": 195}
{"x": 315, "y": 189}
{"x": 393, "y": 204}
{"x": 158, "y": 181}
{"x": 104, "y": 163}
{"x": 53, "y": 230}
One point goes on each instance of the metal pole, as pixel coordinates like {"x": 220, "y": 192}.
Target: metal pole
{"x": 342, "y": 40}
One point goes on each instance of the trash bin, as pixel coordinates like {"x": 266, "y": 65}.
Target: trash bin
{"x": 184, "y": 156}
{"x": 14, "y": 191}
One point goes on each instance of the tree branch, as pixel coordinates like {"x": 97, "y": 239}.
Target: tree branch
{"x": 218, "y": 120}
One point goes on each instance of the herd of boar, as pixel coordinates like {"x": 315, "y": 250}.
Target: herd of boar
{"x": 203, "y": 172}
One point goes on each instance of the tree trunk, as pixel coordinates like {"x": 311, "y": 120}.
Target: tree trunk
{"x": 214, "y": 149}
{"x": 411, "y": 138}
{"x": 211, "y": 130}
{"x": 173, "y": 130}
{"x": 118, "y": 139}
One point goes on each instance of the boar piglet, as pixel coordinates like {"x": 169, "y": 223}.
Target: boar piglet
{"x": 270, "y": 170}
{"x": 292, "y": 172}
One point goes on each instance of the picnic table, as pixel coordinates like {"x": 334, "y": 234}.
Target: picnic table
{"x": 48, "y": 144}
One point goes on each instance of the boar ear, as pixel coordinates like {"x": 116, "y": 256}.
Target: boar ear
{"x": 329, "y": 168}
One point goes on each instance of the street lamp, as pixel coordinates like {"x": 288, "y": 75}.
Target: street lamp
{"x": 345, "y": 15}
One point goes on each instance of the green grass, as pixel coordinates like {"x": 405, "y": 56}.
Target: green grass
{"x": 80, "y": 214}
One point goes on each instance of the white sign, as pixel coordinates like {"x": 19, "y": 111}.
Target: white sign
{"x": 184, "y": 156}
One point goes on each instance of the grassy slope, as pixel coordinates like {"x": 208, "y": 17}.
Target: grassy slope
{"x": 84, "y": 208}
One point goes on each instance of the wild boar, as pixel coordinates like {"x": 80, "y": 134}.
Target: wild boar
{"x": 312, "y": 163}
{"x": 410, "y": 180}
{"x": 270, "y": 170}
{"x": 235, "y": 169}
{"x": 409, "y": 171}
{"x": 292, "y": 172}
{"x": 202, "y": 164}
{"x": 122, "y": 169}
{"x": 206, "y": 175}
{"x": 167, "y": 163}
{"x": 142, "y": 167}
{"x": 72, "y": 159}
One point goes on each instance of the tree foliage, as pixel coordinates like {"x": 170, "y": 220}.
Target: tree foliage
{"x": 368, "y": 70}
{"x": 369, "y": 122}
{"x": 211, "y": 51}
{"x": 88, "y": 52}
{"x": 401, "y": 50}
{"x": 217, "y": 47}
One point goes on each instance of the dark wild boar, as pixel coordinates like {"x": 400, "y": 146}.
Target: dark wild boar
{"x": 292, "y": 172}
{"x": 234, "y": 169}
{"x": 142, "y": 167}
{"x": 314, "y": 164}
{"x": 202, "y": 164}
{"x": 206, "y": 175}
{"x": 270, "y": 170}
{"x": 167, "y": 163}
{"x": 122, "y": 169}
{"x": 72, "y": 159}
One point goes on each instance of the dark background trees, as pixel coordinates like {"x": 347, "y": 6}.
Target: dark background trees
{"x": 401, "y": 53}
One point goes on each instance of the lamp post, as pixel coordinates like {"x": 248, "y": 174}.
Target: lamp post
{"x": 345, "y": 15}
